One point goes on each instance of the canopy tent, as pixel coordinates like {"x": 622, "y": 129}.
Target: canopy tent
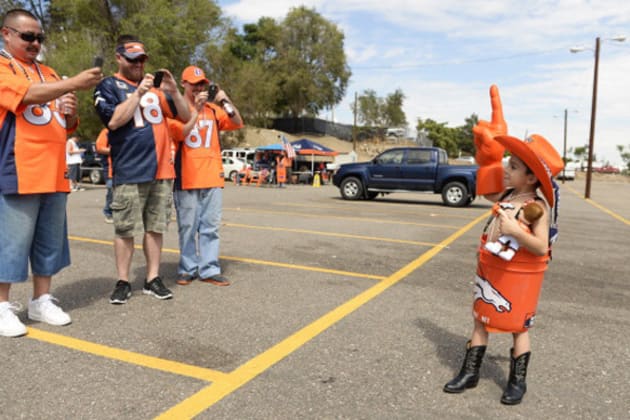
{"x": 309, "y": 147}
{"x": 317, "y": 152}
{"x": 276, "y": 147}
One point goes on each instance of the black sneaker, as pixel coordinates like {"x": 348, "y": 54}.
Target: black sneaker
{"x": 156, "y": 288}
{"x": 122, "y": 292}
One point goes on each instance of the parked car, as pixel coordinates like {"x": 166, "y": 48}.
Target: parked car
{"x": 568, "y": 173}
{"x": 92, "y": 165}
{"x": 231, "y": 167}
{"x": 408, "y": 169}
{"x": 607, "y": 169}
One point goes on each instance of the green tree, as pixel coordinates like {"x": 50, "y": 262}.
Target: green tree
{"x": 311, "y": 63}
{"x": 244, "y": 65}
{"x": 78, "y": 30}
{"x": 391, "y": 110}
{"x": 440, "y": 135}
{"x": 380, "y": 113}
{"x": 465, "y": 141}
{"x": 369, "y": 108}
{"x": 624, "y": 152}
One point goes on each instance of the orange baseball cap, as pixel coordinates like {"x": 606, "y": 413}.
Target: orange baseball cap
{"x": 132, "y": 50}
{"x": 194, "y": 75}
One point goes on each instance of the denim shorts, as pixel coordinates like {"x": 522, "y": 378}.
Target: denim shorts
{"x": 32, "y": 227}
{"x": 145, "y": 207}
{"x": 73, "y": 172}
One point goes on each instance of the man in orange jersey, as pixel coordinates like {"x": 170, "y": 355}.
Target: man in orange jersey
{"x": 135, "y": 111}
{"x": 102, "y": 148}
{"x": 33, "y": 180}
{"x": 199, "y": 184}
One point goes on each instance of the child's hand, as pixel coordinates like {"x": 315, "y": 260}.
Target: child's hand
{"x": 508, "y": 225}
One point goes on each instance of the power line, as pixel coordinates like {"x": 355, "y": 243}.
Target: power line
{"x": 458, "y": 62}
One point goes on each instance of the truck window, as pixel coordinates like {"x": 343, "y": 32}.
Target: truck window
{"x": 392, "y": 157}
{"x": 442, "y": 157}
{"x": 415, "y": 156}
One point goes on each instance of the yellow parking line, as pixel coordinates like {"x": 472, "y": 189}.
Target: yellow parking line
{"x": 602, "y": 208}
{"x": 139, "y": 359}
{"x": 250, "y": 261}
{"x": 358, "y": 219}
{"x": 337, "y": 235}
{"x": 213, "y": 393}
{"x": 350, "y": 207}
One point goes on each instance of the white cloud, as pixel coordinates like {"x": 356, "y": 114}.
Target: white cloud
{"x": 445, "y": 54}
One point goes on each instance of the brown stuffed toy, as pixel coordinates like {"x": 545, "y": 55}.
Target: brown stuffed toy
{"x": 507, "y": 245}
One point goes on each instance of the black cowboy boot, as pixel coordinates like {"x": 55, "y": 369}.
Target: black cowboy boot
{"x": 516, "y": 386}
{"x": 469, "y": 374}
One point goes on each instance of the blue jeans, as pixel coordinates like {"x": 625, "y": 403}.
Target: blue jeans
{"x": 32, "y": 227}
{"x": 107, "y": 209}
{"x": 198, "y": 220}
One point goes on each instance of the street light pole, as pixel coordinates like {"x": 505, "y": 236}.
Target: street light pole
{"x": 591, "y": 137}
{"x": 564, "y": 150}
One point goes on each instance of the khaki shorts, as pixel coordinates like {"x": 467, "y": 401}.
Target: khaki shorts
{"x": 138, "y": 208}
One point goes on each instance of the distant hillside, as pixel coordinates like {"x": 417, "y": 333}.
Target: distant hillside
{"x": 254, "y": 137}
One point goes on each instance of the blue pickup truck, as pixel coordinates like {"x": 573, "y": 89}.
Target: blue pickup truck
{"x": 404, "y": 169}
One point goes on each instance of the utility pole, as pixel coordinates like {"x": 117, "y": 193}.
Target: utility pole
{"x": 354, "y": 125}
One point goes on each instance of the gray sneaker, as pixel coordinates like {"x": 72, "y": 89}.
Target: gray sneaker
{"x": 122, "y": 292}
{"x": 156, "y": 288}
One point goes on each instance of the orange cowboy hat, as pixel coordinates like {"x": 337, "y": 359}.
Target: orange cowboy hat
{"x": 539, "y": 156}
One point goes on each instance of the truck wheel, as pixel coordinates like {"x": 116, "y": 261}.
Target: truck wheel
{"x": 351, "y": 188}
{"x": 455, "y": 194}
{"x": 233, "y": 176}
{"x": 96, "y": 176}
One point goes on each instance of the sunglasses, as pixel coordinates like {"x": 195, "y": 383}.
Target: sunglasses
{"x": 29, "y": 36}
{"x": 140, "y": 59}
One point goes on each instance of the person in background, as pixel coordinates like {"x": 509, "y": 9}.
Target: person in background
{"x": 102, "y": 147}
{"x": 34, "y": 186}
{"x": 199, "y": 184}
{"x": 74, "y": 160}
{"x": 135, "y": 111}
{"x": 281, "y": 168}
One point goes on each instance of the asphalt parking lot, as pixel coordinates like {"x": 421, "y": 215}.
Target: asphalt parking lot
{"x": 338, "y": 310}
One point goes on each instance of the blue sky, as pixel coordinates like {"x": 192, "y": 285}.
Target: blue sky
{"x": 444, "y": 55}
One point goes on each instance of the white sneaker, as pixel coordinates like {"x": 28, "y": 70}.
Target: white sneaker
{"x": 44, "y": 309}
{"x": 10, "y": 324}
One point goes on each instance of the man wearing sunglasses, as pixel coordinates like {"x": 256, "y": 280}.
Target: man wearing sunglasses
{"x": 142, "y": 153}
{"x": 33, "y": 180}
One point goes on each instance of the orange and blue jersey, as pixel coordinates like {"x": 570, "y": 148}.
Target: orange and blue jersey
{"x": 102, "y": 142}
{"x": 32, "y": 137}
{"x": 141, "y": 150}
{"x": 198, "y": 161}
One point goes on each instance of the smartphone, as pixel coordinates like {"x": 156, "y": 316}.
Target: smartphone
{"x": 212, "y": 92}
{"x": 98, "y": 61}
{"x": 157, "y": 78}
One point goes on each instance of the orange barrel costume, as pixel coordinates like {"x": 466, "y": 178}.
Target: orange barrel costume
{"x": 506, "y": 292}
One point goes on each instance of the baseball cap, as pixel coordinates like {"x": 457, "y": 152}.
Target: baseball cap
{"x": 132, "y": 50}
{"x": 194, "y": 75}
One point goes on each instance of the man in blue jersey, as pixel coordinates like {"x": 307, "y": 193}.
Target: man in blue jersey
{"x": 142, "y": 155}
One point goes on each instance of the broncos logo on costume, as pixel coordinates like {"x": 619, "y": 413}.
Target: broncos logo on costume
{"x": 487, "y": 293}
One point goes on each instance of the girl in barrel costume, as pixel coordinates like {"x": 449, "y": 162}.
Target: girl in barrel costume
{"x": 506, "y": 291}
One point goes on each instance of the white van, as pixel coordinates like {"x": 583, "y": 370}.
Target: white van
{"x": 243, "y": 153}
